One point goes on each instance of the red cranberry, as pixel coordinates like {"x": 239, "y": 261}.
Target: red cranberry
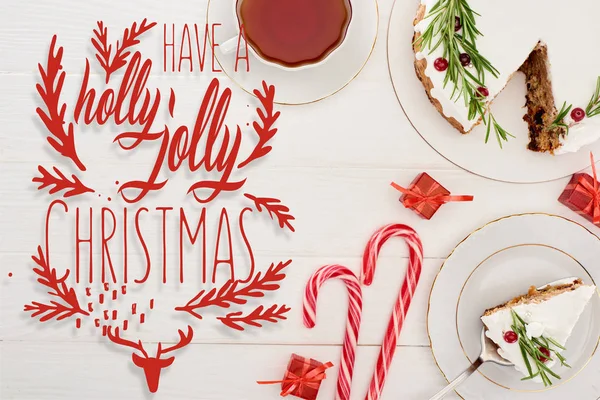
{"x": 441, "y": 64}
{"x": 510, "y": 337}
{"x": 577, "y": 114}
{"x": 457, "y": 24}
{"x": 465, "y": 59}
{"x": 483, "y": 92}
{"x": 545, "y": 352}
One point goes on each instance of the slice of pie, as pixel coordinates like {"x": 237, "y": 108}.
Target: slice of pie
{"x": 467, "y": 51}
{"x": 532, "y": 330}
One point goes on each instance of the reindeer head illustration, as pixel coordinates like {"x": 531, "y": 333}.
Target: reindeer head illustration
{"x": 152, "y": 366}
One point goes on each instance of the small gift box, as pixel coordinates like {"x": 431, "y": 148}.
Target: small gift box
{"x": 425, "y": 195}
{"x": 302, "y": 378}
{"x": 582, "y": 195}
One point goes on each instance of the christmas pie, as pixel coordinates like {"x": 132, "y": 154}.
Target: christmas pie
{"x": 532, "y": 330}
{"x": 467, "y": 51}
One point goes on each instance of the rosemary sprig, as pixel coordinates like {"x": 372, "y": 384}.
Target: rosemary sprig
{"x": 466, "y": 83}
{"x": 501, "y": 133}
{"x": 593, "y": 107}
{"x": 559, "y": 121}
{"x": 530, "y": 350}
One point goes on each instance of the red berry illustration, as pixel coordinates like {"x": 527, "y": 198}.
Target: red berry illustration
{"x": 441, "y": 64}
{"x": 577, "y": 114}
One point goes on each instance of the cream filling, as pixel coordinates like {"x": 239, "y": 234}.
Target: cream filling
{"x": 557, "y": 316}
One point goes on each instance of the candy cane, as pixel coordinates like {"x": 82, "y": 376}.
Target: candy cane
{"x": 344, "y": 383}
{"x": 404, "y": 298}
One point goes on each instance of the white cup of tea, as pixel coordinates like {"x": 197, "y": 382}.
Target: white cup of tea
{"x": 290, "y": 34}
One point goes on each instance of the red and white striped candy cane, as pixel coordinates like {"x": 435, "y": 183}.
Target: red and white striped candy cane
{"x": 326, "y": 272}
{"x": 404, "y": 297}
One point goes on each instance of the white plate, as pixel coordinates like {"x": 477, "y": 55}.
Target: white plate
{"x": 303, "y": 85}
{"x": 494, "y": 264}
{"x": 513, "y": 163}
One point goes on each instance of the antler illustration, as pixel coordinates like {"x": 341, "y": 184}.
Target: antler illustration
{"x": 152, "y": 366}
{"x": 184, "y": 340}
{"x": 117, "y": 339}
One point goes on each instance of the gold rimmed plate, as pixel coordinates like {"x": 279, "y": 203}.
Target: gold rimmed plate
{"x": 303, "y": 85}
{"x": 491, "y": 266}
{"x": 514, "y": 162}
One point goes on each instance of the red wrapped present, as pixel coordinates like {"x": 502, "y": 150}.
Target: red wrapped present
{"x": 582, "y": 195}
{"x": 425, "y": 195}
{"x": 302, "y": 378}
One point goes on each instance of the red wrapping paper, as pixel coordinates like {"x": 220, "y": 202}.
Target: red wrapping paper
{"x": 302, "y": 378}
{"x": 425, "y": 195}
{"x": 582, "y": 195}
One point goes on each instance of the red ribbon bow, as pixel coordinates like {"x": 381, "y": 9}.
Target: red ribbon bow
{"x": 416, "y": 196}
{"x": 594, "y": 191}
{"x": 310, "y": 379}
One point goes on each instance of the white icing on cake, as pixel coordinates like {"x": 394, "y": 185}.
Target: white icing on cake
{"x": 580, "y": 135}
{"x": 554, "y": 318}
{"x": 512, "y": 29}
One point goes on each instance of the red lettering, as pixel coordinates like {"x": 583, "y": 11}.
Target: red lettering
{"x": 171, "y": 45}
{"x": 50, "y": 207}
{"x": 245, "y": 47}
{"x": 133, "y": 84}
{"x": 143, "y": 243}
{"x": 192, "y": 237}
{"x": 229, "y": 260}
{"x": 164, "y": 239}
{"x": 178, "y": 149}
{"x": 213, "y": 47}
{"x": 224, "y": 162}
{"x": 104, "y": 241}
{"x": 184, "y": 35}
{"x": 78, "y": 241}
{"x": 247, "y": 243}
{"x": 86, "y": 98}
{"x": 201, "y": 57}
{"x": 124, "y": 247}
{"x": 145, "y": 186}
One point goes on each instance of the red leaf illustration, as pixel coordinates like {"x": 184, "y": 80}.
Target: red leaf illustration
{"x": 264, "y": 130}
{"x": 233, "y": 292}
{"x": 48, "y": 277}
{"x": 275, "y": 210}
{"x": 271, "y": 314}
{"x": 104, "y": 50}
{"x": 53, "y": 78}
{"x": 60, "y": 182}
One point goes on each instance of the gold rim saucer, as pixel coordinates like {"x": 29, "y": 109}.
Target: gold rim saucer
{"x": 450, "y": 255}
{"x": 249, "y": 91}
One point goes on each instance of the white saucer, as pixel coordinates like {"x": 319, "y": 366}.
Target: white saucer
{"x": 513, "y": 163}
{"x": 494, "y": 264}
{"x": 307, "y": 84}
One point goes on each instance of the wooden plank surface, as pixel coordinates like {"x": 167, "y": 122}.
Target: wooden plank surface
{"x": 332, "y": 164}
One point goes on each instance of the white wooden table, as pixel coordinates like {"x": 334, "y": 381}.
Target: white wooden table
{"x": 332, "y": 164}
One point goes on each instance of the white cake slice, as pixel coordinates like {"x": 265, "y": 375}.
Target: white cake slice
{"x": 546, "y": 316}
